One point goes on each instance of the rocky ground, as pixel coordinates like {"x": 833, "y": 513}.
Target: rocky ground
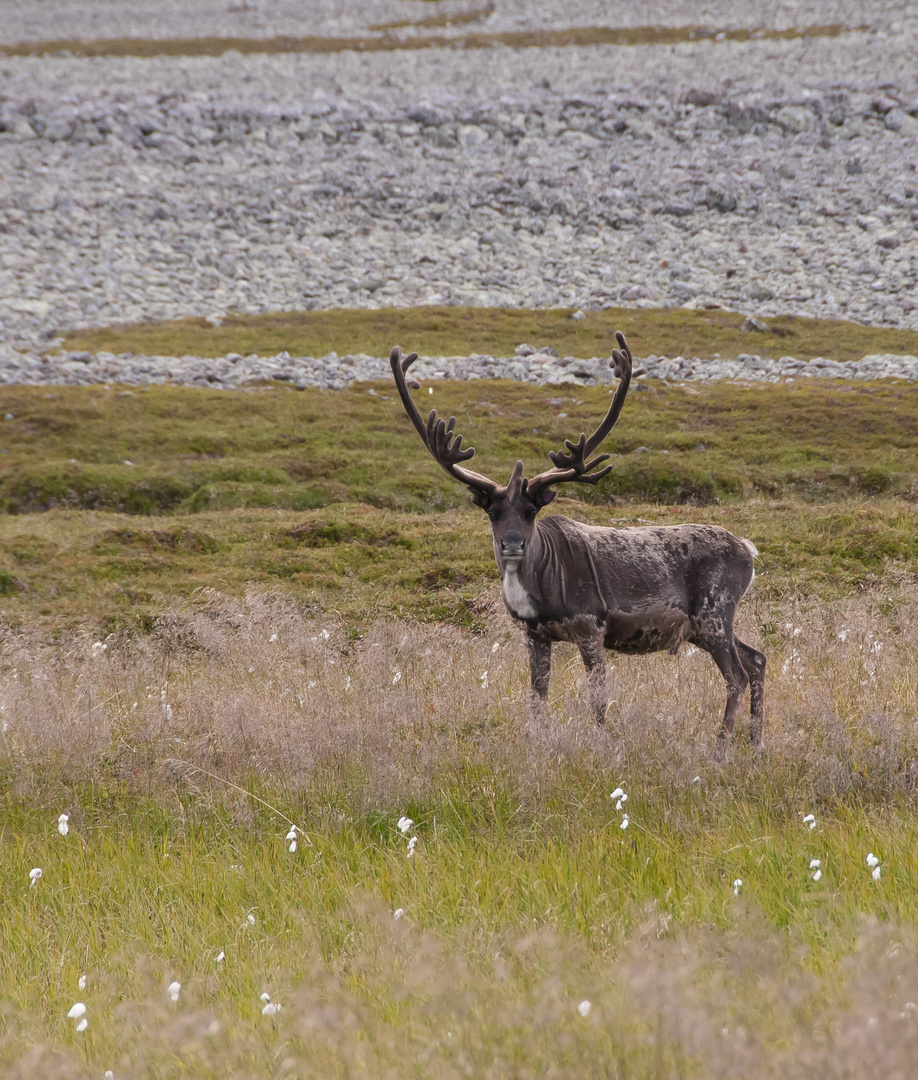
{"x": 765, "y": 176}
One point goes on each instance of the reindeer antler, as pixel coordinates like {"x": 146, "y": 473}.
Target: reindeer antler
{"x": 574, "y": 465}
{"x": 437, "y": 434}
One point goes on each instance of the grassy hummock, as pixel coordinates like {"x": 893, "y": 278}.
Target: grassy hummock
{"x": 459, "y": 331}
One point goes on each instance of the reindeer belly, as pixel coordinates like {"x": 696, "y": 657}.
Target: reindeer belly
{"x": 647, "y": 631}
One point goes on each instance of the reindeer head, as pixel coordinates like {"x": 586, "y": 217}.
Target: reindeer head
{"x": 512, "y": 510}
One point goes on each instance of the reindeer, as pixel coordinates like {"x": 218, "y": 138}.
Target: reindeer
{"x": 634, "y": 590}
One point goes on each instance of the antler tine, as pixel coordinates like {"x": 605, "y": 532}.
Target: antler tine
{"x": 436, "y": 434}
{"x": 573, "y": 465}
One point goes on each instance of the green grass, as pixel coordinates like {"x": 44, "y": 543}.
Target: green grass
{"x": 104, "y": 571}
{"x": 166, "y": 449}
{"x": 509, "y": 924}
{"x": 458, "y": 331}
{"x": 332, "y": 496}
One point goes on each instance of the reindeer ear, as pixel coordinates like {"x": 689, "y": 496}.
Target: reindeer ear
{"x": 544, "y": 497}
{"x": 480, "y": 498}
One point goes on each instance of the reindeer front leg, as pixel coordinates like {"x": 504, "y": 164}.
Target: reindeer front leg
{"x": 540, "y": 668}
{"x": 593, "y": 652}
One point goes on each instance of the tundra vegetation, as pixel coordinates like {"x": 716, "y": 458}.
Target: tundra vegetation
{"x": 227, "y": 614}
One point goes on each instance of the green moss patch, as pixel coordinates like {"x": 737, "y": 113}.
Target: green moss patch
{"x": 458, "y": 331}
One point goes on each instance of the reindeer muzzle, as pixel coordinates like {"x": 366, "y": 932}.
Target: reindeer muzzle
{"x": 512, "y": 546}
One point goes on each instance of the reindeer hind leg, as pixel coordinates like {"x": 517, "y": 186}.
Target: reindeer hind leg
{"x": 754, "y": 663}
{"x": 726, "y": 655}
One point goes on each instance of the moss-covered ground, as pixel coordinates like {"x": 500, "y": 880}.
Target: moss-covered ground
{"x": 155, "y": 492}
{"x": 459, "y": 331}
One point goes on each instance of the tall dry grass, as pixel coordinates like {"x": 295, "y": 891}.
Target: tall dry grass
{"x": 254, "y": 689}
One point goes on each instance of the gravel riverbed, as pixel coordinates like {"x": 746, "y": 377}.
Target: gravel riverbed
{"x": 765, "y": 176}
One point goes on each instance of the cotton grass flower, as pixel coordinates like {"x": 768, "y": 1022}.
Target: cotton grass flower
{"x": 815, "y": 864}
{"x": 412, "y": 844}
{"x": 62, "y": 827}
{"x": 250, "y": 919}
{"x": 173, "y": 990}
{"x": 81, "y": 982}
{"x": 291, "y": 839}
{"x": 405, "y": 825}
{"x": 399, "y": 913}
{"x": 34, "y": 874}
{"x": 810, "y": 820}
{"x": 625, "y": 822}
{"x": 221, "y": 956}
{"x": 78, "y": 1013}
{"x": 737, "y": 885}
{"x": 584, "y": 1008}
{"x": 270, "y": 1008}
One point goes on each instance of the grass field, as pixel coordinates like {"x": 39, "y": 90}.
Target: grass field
{"x": 280, "y": 614}
{"x": 459, "y": 331}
